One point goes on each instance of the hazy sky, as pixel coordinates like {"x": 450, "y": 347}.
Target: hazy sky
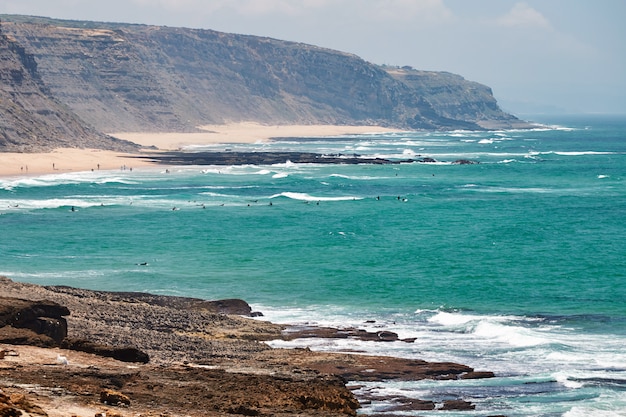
{"x": 567, "y": 55}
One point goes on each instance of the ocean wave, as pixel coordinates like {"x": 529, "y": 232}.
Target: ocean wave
{"x": 571, "y": 153}
{"x": 357, "y": 177}
{"x": 308, "y": 197}
{"x": 71, "y": 203}
{"x": 63, "y": 179}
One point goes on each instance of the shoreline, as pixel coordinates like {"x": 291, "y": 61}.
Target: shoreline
{"x": 187, "y": 340}
{"x": 67, "y": 160}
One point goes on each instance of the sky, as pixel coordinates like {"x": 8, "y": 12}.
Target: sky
{"x": 538, "y": 56}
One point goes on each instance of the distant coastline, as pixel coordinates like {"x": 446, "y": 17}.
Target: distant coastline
{"x": 67, "y": 160}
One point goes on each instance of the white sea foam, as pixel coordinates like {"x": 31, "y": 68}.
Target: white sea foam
{"x": 280, "y": 175}
{"x": 357, "y": 177}
{"x": 308, "y": 197}
{"x": 600, "y": 410}
{"x": 583, "y": 153}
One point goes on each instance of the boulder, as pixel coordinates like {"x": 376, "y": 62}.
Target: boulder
{"x": 41, "y": 317}
{"x": 15, "y": 336}
{"x": 458, "y": 405}
{"x": 108, "y": 396}
{"x": 124, "y": 354}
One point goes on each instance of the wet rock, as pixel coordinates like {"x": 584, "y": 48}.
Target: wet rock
{"x": 458, "y": 405}
{"x": 408, "y": 404}
{"x": 295, "y": 332}
{"x": 464, "y": 162}
{"x": 477, "y": 375}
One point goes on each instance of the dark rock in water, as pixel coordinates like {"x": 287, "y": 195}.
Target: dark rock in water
{"x": 277, "y": 157}
{"x": 262, "y": 158}
{"x": 411, "y": 404}
{"x": 124, "y": 354}
{"x": 464, "y": 162}
{"x": 229, "y": 306}
{"x": 296, "y": 332}
{"x": 458, "y": 405}
{"x": 40, "y": 317}
{"x": 478, "y": 375}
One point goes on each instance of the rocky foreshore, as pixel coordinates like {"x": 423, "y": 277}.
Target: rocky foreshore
{"x": 74, "y": 352}
{"x": 276, "y": 157}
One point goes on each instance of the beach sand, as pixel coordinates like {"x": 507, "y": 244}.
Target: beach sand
{"x": 75, "y": 160}
{"x": 243, "y": 132}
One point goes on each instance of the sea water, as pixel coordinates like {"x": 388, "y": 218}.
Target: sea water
{"x": 515, "y": 264}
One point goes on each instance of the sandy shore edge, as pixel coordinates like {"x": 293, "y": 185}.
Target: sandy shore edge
{"x": 66, "y": 160}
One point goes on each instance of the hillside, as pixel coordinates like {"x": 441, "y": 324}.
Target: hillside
{"x": 30, "y": 119}
{"x": 121, "y": 77}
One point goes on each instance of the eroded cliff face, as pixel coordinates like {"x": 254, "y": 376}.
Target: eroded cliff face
{"x": 121, "y": 77}
{"x": 30, "y": 119}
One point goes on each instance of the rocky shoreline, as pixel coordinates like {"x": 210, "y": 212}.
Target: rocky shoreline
{"x": 275, "y": 157}
{"x": 202, "y": 358}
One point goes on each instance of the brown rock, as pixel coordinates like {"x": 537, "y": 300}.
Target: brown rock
{"x": 124, "y": 354}
{"x": 12, "y": 336}
{"x": 478, "y": 375}
{"x": 407, "y": 404}
{"x": 296, "y": 332}
{"x": 108, "y": 396}
{"x": 458, "y": 405}
{"x": 13, "y": 405}
{"x": 42, "y": 317}
{"x": 9, "y": 411}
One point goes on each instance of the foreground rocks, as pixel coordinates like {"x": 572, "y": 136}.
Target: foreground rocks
{"x": 39, "y": 323}
{"x": 199, "y": 361}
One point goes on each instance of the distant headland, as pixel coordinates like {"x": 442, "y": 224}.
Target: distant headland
{"x": 72, "y": 83}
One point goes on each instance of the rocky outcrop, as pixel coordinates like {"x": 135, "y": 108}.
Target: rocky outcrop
{"x": 123, "y": 354}
{"x": 455, "y": 99}
{"x": 41, "y": 323}
{"x": 204, "y": 364}
{"x": 30, "y": 118}
{"x": 279, "y": 157}
{"x": 121, "y": 77}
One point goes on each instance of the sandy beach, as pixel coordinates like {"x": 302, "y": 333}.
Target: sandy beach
{"x": 76, "y": 160}
{"x": 243, "y": 132}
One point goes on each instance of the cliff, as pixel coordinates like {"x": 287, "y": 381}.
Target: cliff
{"x": 30, "y": 119}
{"x": 121, "y": 77}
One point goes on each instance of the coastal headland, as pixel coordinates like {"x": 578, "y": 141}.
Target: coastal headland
{"x": 93, "y": 353}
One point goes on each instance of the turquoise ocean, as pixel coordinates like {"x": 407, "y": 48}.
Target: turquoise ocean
{"x": 515, "y": 265}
